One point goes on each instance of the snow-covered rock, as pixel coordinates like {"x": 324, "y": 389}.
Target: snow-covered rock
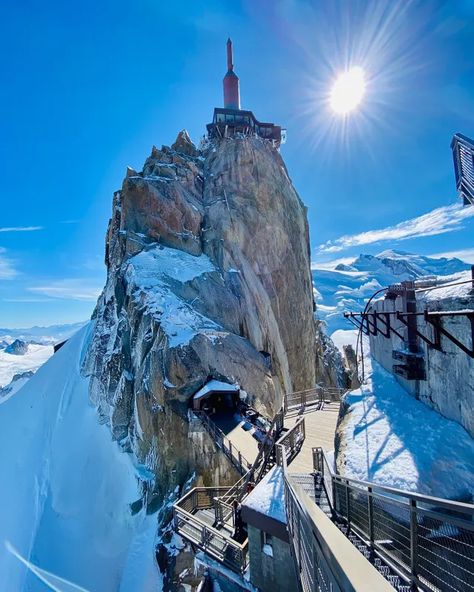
{"x": 448, "y": 382}
{"x": 17, "y": 348}
{"x": 208, "y": 278}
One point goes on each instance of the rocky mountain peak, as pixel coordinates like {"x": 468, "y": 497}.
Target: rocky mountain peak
{"x": 184, "y": 144}
{"x": 17, "y": 348}
{"x": 208, "y": 279}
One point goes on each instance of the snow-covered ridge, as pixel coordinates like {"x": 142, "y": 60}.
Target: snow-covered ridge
{"x": 67, "y": 489}
{"x": 349, "y": 285}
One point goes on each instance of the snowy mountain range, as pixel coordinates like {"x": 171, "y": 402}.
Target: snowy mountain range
{"x": 348, "y": 286}
{"x": 23, "y": 351}
{"x": 40, "y": 335}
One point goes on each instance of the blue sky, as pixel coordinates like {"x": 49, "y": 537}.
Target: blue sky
{"x": 88, "y": 88}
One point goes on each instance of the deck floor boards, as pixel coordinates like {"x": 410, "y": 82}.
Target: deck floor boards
{"x": 320, "y": 429}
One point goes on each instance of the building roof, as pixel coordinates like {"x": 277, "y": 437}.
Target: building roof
{"x": 264, "y": 507}
{"x": 215, "y": 386}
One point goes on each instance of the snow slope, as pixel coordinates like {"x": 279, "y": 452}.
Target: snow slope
{"x": 66, "y": 489}
{"x": 391, "y": 438}
{"x": 347, "y": 287}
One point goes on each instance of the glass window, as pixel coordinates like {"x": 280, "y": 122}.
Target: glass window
{"x": 267, "y": 543}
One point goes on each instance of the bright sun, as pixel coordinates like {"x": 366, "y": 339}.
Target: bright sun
{"x": 347, "y": 91}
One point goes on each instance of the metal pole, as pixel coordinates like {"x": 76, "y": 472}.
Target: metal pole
{"x": 413, "y": 540}
{"x": 348, "y": 506}
{"x": 370, "y": 507}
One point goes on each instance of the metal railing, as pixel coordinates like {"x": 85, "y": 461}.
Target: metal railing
{"x": 314, "y": 572}
{"x": 315, "y": 396}
{"x": 290, "y": 443}
{"x": 426, "y": 540}
{"x": 224, "y": 443}
{"x": 317, "y": 567}
{"x": 217, "y": 543}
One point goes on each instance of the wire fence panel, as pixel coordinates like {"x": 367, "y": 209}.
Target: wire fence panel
{"x": 430, "y": 541}
{"x": 445, "y": 552}
{"x": 392, "y": 530}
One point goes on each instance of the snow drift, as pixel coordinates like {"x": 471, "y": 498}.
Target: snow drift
{"x": 388, "y": 437}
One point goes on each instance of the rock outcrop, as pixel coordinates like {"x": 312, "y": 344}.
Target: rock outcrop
{"x": 209, "y": 277}
{"x": 17, "y": 348}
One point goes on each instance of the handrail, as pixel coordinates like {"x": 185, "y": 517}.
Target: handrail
{"x": 311, "y": 396}
{"x": 438, "y": 501}
{"x": 290, "y": 442}
{"x": 319, "y": 560}
{"x": 189, "y": 525}
{"x": 423, "y": 538}
{"x": 214, "y": 531}
{"x": 238, "y": 460}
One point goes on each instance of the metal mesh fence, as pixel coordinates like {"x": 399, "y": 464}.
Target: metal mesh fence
{"x": 314, "y": 573}
{"x": 391, "y": 529}
{"x": 445, "y": 552}
{"x": 430, "y": 541}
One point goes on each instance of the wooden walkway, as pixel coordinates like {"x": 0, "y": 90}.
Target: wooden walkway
{"x": 241, "y": 439}
{"x": 320, "y": 429}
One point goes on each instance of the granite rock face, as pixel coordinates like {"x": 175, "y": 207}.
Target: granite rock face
{"x": 209, "y": 277}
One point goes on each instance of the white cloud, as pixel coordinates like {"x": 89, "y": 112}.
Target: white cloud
{"x": 438, "y": 221}
{"x": 69, "y": 289}
{"x": 332, "y": 264}
{"x": 466, "y": 255}
{"x": 7, "y": 271}
{"x": 20, "y": 228}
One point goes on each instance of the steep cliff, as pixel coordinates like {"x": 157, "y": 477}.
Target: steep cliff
{"x": 209, "y": 276}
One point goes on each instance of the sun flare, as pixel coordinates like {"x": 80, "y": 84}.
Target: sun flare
{"x": 348, "y": 91}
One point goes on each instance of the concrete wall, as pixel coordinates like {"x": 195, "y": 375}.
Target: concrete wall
{"x": 449, "y": 384}
{"x": 271, "y": 574}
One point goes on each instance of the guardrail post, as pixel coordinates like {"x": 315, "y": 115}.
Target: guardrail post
{"x": 348, "y": 510}
{"x": 413, "y": 540}
{"x": 240, "y": 461}
{"x": 230, "y": 450}
{"x": 370, "y": 507}
{"x": 204, "y": 537}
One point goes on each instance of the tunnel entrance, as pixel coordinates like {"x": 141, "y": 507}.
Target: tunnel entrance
{"x": 217, "y": 398}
